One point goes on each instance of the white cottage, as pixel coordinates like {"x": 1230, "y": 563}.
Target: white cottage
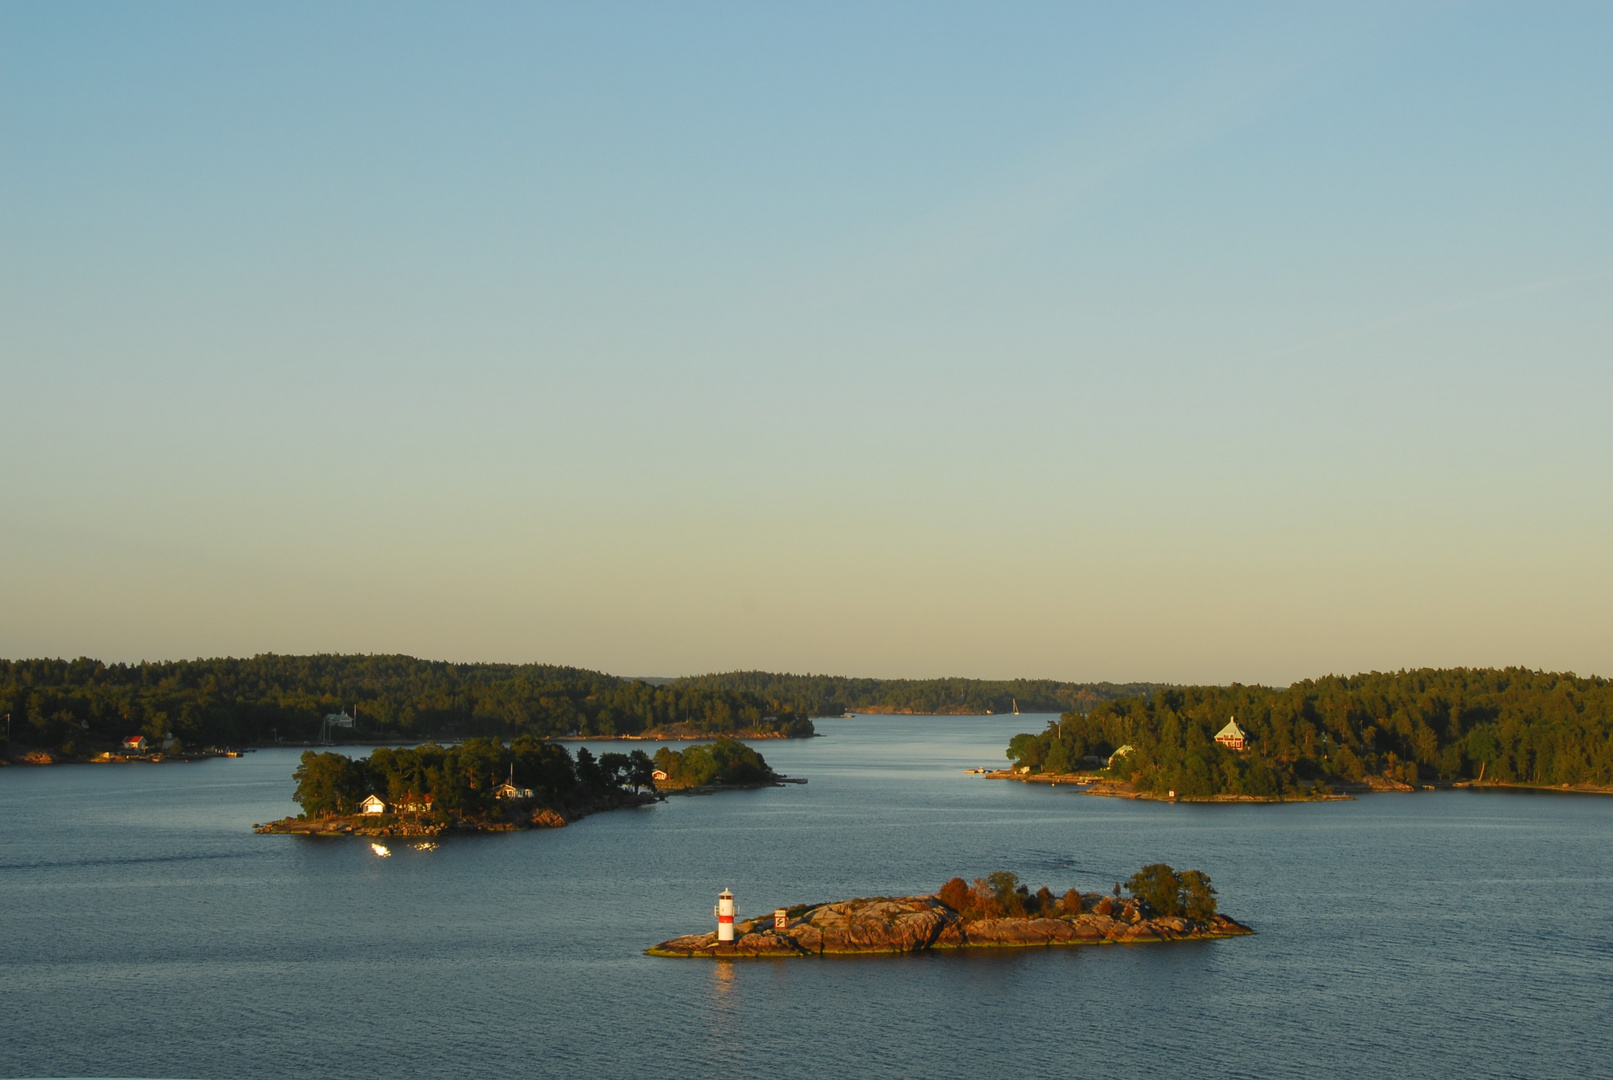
{"x": 1232, "y": 736}
{"x": 372, "y": 804}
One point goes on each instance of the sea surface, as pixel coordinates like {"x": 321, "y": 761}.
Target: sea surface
{"x": 145, "y": 931}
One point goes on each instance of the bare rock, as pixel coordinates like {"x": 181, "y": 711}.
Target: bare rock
{"x": 909, "y": 924}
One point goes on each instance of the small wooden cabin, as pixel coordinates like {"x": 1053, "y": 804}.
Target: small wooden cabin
{"x": 372, "y": 804}
{"x": 137, "y": 743}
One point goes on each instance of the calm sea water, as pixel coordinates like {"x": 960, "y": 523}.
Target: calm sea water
{"x": 147, "y": 932}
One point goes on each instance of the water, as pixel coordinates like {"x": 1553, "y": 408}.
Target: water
{"x": 148, "y": 932}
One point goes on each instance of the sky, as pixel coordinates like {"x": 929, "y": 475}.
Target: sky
{"x": 1180, "y": 342}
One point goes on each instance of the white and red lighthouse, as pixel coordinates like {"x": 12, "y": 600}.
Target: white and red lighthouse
{"x": 725, "y": 912}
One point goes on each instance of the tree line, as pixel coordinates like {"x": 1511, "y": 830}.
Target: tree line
{"x": 835, "y": 695}
{"x": 1158, "y": 888}
{"x": 81, "y": 706}
{"x": 1509, "y": 725}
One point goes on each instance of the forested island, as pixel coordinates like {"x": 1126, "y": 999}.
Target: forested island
{"x": 1404, "y": 731}
{"x": 833, "y": 695}
{"x": 484, "y": 785}
{"x": 994, "y": 912}
{"x": 75, "y": 710}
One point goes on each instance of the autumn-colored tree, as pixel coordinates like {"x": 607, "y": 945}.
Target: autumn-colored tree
{"x": 955, "y": 894}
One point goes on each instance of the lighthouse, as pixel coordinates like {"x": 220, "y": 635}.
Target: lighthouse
{"x": 725, "y": 912}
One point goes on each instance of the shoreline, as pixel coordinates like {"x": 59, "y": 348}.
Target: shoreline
{"x": 1544, "y": 789}
{"x": 1115, "y": 789}
{"x": 712, "y": 789}
{"x": 28, "y": 756}
{"x": 1342, "y": 792}
{"x": 522, "y": 818}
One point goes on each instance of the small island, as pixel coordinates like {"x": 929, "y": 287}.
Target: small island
{"x": 484, "y": 785}
{"x": 995, "y": 912}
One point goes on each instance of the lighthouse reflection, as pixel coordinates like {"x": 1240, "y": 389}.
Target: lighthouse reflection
{"x": 722, "y": 982}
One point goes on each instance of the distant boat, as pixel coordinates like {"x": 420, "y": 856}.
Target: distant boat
{"x": 1016, "y": 705}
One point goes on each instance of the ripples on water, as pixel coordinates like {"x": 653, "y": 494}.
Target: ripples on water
{"x": 148, "y": 932}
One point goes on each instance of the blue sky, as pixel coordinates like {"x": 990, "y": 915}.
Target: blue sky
{"x": 1178, "y": 341}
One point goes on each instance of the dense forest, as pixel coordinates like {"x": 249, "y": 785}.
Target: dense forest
{"x": 833, "y": 695}
{"x": 79, "y": 707}
{"x": 1509, "y": 725}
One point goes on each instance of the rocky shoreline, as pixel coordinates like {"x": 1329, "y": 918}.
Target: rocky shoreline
{"x": 913, "y": 924}
{"x": 519, "y": 818}
{"x": 1341, "y": 792}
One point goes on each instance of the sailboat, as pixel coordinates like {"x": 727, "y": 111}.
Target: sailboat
{"x": 1016, "y": 705}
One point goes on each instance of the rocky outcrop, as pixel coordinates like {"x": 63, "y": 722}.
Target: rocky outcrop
{"x": 910, "y": 924}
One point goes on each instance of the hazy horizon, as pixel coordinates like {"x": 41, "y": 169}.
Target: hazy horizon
{"x": 1174, "y": 343}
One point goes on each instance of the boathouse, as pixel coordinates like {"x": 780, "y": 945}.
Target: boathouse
{"x": 372, "y": 804}
{"x": 1232, "y": 736}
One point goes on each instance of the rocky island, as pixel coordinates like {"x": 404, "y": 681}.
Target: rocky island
{"x": 996, "y": 912}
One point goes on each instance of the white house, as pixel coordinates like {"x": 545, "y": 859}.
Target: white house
{"x": 659, "y": 774}
{"x": 508, "y": 790}
{"x": 136, "y": 743}
{"x": 372, "y": 804}
{"x": 1232, "y": 736}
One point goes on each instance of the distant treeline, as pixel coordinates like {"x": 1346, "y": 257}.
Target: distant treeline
{"x": 1510, "y": 725}
{"x": 81, "y": 706}
{"x": 833, "y": 695}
